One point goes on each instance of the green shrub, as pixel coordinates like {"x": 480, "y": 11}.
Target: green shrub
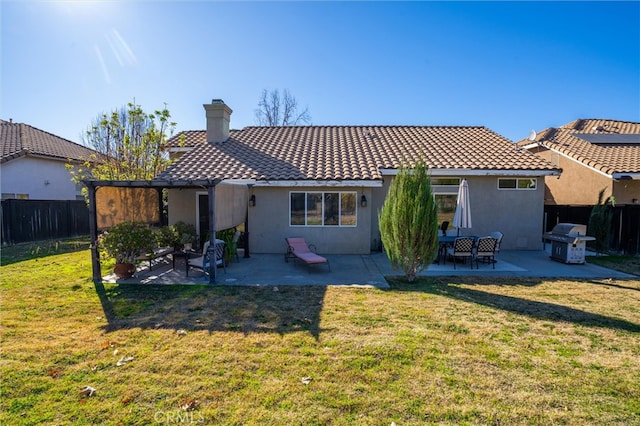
{"x": 408, "y": 221}
{"x": 126, "y": 241}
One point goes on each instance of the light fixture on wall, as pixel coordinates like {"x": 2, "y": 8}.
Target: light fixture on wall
{"x": 363, "y": 201}
{"x": 252, "y": 200}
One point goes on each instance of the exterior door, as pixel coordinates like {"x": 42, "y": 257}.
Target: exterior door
{"x": 203, "y": 217}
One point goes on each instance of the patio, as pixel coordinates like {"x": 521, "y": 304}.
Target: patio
{"x": 359, "y": 270}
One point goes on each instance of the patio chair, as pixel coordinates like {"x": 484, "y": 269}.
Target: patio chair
{"x": 486, "y": 251}
{"x": 202, "y": 262}
{"x": 297, "y": 248}
{"x": 444, "y": 227}
{"x": 462, "y": 249}
{"x": 498, "y": 236}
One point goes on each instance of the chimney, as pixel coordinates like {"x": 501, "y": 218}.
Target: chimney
{"x": 218, "y": 117}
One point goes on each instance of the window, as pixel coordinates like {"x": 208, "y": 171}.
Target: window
{"x": 322, "y": 209}
{"x": 517, "y": 184}
{"x": 445, "y": 182}
{"x": 446, "y": 206}
{"x": 445, "y": 193}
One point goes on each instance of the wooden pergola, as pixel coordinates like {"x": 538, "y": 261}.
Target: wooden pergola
{"x": 159, "y": 185}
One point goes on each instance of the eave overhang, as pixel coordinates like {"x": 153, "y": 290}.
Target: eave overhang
{"x": 481, "y": 172}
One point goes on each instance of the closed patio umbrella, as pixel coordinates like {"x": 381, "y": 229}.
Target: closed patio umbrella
{"x": 462, "y": 215}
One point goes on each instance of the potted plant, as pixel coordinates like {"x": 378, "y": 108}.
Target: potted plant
{"x": 187, "y": 236}
{"x": 226, "y": 235}
{"x": 124, "y": 242}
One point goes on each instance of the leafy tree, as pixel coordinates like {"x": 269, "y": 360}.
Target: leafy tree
{"x": 131, "y": 145}
{"x": 276, "y": 110}
{"x": 409, "y": 221}
{"x": 600, "y": 221}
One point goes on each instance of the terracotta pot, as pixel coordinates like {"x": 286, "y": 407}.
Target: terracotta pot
{"x": 124, "y": 270}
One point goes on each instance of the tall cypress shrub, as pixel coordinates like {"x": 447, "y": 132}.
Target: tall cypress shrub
{"x": 409, "y": 221}
{"x": 600, "y": 221}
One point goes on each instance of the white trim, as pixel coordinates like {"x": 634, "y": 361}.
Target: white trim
{"x": 517, "y": 188}
{"x": 468, "y": 172}
{"x": 180, "y": 149}
{"x": 321, "y": 183}
{"x": 633, "y": 176}
{"x": 533, "y": 145}
{"x": 239, "y": 181}
{"x": 322, "y": 225}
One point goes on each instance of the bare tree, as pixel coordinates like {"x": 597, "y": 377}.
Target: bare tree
{"x": 276, "y": 110}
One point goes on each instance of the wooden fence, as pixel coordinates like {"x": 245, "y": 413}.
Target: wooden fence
{"x": 36, "y": 220}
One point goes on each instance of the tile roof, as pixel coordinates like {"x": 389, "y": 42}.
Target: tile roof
{"x": 344, "y": 152}
{"x": 18, "y": 139}
{"x": 609, "y": 158}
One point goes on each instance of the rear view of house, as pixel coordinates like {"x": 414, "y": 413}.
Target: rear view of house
{"x": 327, "y": 183}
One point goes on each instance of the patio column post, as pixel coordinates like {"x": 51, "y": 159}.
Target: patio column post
{"x": 246, "y": 231}
{"x": 93, "y": 231}
{"x": 211, "y": 192}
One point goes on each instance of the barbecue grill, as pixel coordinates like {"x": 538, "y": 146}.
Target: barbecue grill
{"x": 568, "y": 242}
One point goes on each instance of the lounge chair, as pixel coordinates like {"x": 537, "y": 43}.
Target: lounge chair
{"x": 297, "y": 248}
{"x": 462, "y": 249}
{"x": 486, "y": 251}
{"x": 202, "y": 262}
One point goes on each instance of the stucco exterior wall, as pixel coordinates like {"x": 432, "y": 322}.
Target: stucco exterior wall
{"x": 518, "y": 214}
{"x": 269, "y": 225}
{"x": 376, "y": 200}
{"x": 577, "y": 185}
{"x": 29, "y": 176}
{"x": 626, "y": 191}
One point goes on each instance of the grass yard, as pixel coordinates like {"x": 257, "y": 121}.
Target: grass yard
{"x": 442, "y": 351}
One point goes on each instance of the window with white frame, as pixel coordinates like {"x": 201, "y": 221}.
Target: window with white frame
{"x": 322, "y": 208}
{"x": 445, "y": 193}
{"x": 517, "y": 183}
{"x": 445, "y": 181}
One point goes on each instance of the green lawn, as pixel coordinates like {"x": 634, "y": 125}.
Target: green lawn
{"x": 441, "y": 351}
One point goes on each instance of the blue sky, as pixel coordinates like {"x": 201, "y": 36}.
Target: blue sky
{"x": 509, "y": 66}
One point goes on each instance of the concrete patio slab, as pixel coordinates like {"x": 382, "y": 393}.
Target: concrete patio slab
{"x": 362, "y": 270}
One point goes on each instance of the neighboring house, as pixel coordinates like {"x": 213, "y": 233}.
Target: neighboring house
{"x": 327, "y": 183}
{"x": 594, "y": 154}
{"x": 33, "y": 163}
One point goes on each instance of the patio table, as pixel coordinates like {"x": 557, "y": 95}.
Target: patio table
{"x": 446, "y": 241}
